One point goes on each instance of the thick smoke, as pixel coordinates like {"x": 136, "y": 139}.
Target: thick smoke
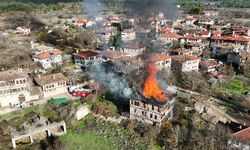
{"x": 145, "y": 8}
{"x": 115, "y": 84}
{"x": 93, "y": 7}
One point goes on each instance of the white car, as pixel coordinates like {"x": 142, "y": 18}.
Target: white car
{"x": 19, "y": 105}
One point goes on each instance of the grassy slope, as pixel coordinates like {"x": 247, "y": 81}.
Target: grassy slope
{"x": 235, "y": 86}
{"x": 87, "y": 140}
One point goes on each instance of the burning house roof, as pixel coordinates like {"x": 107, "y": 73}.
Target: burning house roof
{"x": 152, "y": 89}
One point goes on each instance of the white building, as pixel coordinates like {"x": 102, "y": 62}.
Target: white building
{"x": 185, "y": 63}
{"x": 52, "y": 85}
{"x": 87, "y": 58}
{"x": 48, "y": 58}
{"x": 23, "y": 30}
{"x": 134, "y": 49}
{"x": 84, "y": 23}
{"x": 205, "y": 21}
{"x": 161, "y": 61}
{"x": 128, "y": 35}
{"x": 14, "y": 87}
{"x": 150, "y": 111}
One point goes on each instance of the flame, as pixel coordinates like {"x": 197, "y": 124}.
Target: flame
{"x": 151, "y": 87}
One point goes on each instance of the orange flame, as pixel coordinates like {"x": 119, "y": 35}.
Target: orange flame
{"x": 151, "y": 87}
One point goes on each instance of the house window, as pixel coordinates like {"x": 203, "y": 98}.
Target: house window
{"x": 151, "y": 115}
{"x": 142, "y": 112}
{"x": 137, "y": 103}
{"x": 155, "y": 117}
{"x": 153, "y": 108}
{"x": 134, "y": 110}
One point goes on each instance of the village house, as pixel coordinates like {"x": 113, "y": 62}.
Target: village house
{"x": 150, "y": 111}
{"x": 134, "y": 49}
{"x": 161, "y": 61}
{"x": 182, "y": 51}
{"x": 51, "y": 85}
{"x": 190, "y": 21}
{"x": 112, "y": 55}
{"x": 205, "y": 21}
{"x": 86, "y": 58}
{"x": 23, "y": 30}
{"x": 128, "y": 35}
{"x": 209, "y": 65}
{"x": 211, "y": 13}
{"x": 197, "y": 48}
{"x": 14, "y": 87}
{"x": 84, "y": 23}
{"x": 128, "y": 65}
{"x": 191, "y": 38}
{"x": 169, "y": 38}
{"x": 185, "y": 63}
{"x": 105, "y": 34}
{"x": 241, "y": 140}
{"x": 236, "y": 40}
{"x": 47, "y": 58}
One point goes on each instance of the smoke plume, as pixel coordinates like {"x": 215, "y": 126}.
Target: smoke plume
{"x": 144, "y": 8}
{"x": 114, "y": 83}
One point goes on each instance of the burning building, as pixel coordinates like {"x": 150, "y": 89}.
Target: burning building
{"x": 152, "y": 105}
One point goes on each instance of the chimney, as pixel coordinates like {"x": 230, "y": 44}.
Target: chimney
{"x": 39, "y": 76}
{"x": 54, "y": 77}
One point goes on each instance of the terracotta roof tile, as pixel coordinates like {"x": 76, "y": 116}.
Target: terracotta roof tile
{"x": 245, "y": 133}
{"x": 171, "y": 35}
{"x": 47, "y": 54}
{"x": 86, "y": 54}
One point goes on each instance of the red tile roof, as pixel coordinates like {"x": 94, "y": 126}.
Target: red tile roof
{"x": 209, "y": 63}
{"x": 232, "y": 38}
{"x": 159, "y": 57}
{"x": 245, "y": 133}
{"x": 171, "y": 35}
{"x": 81, "y": 21}
{"x": 47, "y": 54}
{"x": 86, "y": 54}
{"x": 192, "y": 37}
{"x": 49, "y": 79}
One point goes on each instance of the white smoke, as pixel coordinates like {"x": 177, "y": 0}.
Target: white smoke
{"x": 114, "y": 83}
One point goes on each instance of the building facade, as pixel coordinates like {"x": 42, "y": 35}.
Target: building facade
{"x": 14, "y": 87}
{"x": 51, "y": 85}
{"x": 48, "y": 58}
{"x": 151, "y": 112}
{"x": 87, "y": 58}
{"x": 185, "y": 63}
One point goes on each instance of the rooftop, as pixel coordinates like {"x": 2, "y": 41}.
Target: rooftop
{"x": 245, "y": 133}
{"x": 47, "y": 54}
{"x": 12, "y": 75}
{"x": 184, "y": 58}
{"x": 171, "y": 35}
{"x": 86, "y": 54}
{"x": 49, "y": 79}
{"x": 158, "y": 57}
{"x": 232, "y": 38}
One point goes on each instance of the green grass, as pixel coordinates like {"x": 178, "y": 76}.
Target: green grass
{"x": 87, "y": 140}
{"x": 235, "y": 86}
{"x": 104, "y": 103}
{"x": 21, "y": 112}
